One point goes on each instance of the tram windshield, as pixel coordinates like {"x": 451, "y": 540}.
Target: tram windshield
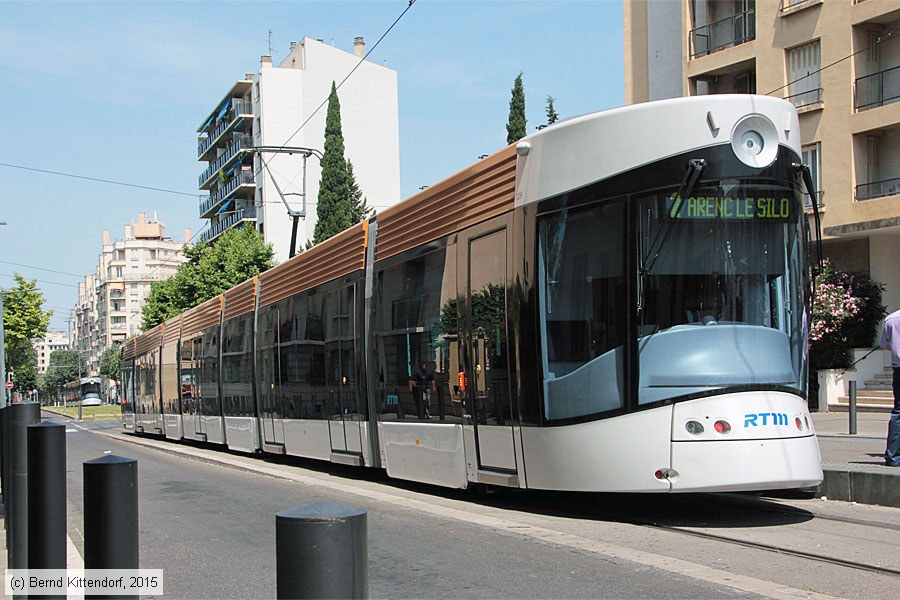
{"x": 716, "y": 302}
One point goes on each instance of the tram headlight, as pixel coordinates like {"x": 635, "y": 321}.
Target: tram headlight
{"x": 722, "y": 426}
{"x": 798, "y": 423}
{"x": 755, "y": 141}
{"x": 694, "y": 427}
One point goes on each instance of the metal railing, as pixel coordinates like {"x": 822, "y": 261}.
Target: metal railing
{"x": 238, "y": 108}
{"x": 230, "y": 220}
{"x": 877, "y": 89}
{"x": 806, "y": 98}
{"x": 239, "y": 144}
{"x": 223, "y": 193}
{"x": 820, "y": 200}
{"x": 878, "y": 189}
{"x": 724, "y": 33}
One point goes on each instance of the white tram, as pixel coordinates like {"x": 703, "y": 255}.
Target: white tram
{"x": 617, "y": 303}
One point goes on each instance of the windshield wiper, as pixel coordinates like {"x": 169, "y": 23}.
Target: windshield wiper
{"x": 695, "y": 167}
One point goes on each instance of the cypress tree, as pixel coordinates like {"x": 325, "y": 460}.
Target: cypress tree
{"x": 552, "y": 116}
{"x": 359, "y": 208}
{"x": 334, "y": 208}
{"x": 515, "y": 128}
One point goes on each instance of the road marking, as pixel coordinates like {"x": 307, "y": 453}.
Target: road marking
{"x": 665, "y": 563}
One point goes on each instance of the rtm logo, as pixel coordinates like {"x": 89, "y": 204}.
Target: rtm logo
{"x": 752, "y": 420}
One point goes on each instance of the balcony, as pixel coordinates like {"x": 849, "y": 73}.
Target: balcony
{"x": 229, "y": 221}
{"x": 242, "y": 178}
{"x": 877, "y": 89}
{"x": 878, "y": 189}
{"x": 233, "y": 151}
{"x": 804, "y": 99}
{"x": 724, "y": 33}
{"x": 235, "y": 115}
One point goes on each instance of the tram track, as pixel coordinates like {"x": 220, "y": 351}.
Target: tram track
{"x": 859, "y": 566}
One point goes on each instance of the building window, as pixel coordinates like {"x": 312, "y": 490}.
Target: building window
{"x": 804, "y": 77}
{"x": 812, "y": 157}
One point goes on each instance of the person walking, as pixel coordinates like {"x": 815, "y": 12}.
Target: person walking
{"x": 890, "y": 340}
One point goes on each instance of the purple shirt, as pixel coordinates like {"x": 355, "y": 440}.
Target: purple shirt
{"x": 890, "y": 337}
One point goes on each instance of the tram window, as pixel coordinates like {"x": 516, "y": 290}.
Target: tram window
{"x": 582, "y": 291}
{"x": 415, "y": 320}
{"x": 718, "y": 293}
{"x": 236, "y": 365}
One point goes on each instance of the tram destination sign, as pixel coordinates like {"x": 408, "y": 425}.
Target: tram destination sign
{"x": 702, "y": 208}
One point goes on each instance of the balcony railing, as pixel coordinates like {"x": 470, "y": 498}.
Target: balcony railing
{"x": 724, "y": 33}
{"x": 878, "y": 189}
{"x": 239, "y": 144}
{"x": 238, "y": 109}
{"x": 242, "y": 177}
{"x": 877, "y": 89}
{"x": 807, "y": 98}
{"x": 229, "y": 221}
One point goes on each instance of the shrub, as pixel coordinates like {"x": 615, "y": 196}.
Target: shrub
{"x": 846, "y": 314}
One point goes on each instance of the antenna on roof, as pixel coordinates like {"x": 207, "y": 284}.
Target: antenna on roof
{"x": 270, "y": 42}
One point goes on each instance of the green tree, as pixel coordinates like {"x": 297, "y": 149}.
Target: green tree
{"x": 359, "y": 208}
{"x": 515, "y": 127}
{"x": 552, "y": 116}
{"x": 25, "y": 377}
{"x": 210, "y": 269}
{"x": 23, "y": 321}
{"x": 111, "y": 362}
{"x": 336, "y": 211}
{"x": 63, "y": 366}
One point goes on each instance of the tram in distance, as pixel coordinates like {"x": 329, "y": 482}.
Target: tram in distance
{"x": 616, "y": 303}
{"x": 86, "y": 390}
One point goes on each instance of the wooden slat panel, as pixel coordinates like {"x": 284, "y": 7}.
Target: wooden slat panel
{"x": 128, "y": 348}
{"x": 342, "y": 254}
{"x": 202, "y": 316}
{"x": 484, "y": 190}
{"x": 241, "y": 298}
{"x": 148, "y": 341}
{"x": 172, "y": 329}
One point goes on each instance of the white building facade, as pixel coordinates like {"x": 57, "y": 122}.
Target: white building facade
{"x": 285, "y": 106}
{"x": 52, "y": 341}
{"x": 110, "y": 300}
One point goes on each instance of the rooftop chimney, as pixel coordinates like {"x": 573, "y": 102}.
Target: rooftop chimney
{"x": 187, "y": 235}
{"x": 265, "y": 61}
{"x": 293, "y": 45}
{"x": 105, "y": 237}
{"x": 359, "y": 46}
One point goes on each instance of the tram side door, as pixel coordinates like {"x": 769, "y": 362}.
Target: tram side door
{"x": 270, "y": 397}
{"x": 485, "y": 349}
{"x": 340, "y": 365}
{"x": 196, "y": 416}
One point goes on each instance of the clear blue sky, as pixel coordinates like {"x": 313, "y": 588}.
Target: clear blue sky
{"x": 116, "y": 90}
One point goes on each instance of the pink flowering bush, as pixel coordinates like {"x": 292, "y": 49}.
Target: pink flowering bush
{"x": 846, "y": 314}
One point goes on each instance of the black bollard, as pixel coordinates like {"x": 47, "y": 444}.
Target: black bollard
{"x": 46, "y": 496}
{"x": 320, "y": 552}
{"x": 21, "y": 415}
{"x": 4, "y": 462}
{"x": 110, "y": 514}
{"x": 851, "y": 412}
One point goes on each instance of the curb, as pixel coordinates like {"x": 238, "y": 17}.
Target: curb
{"x": 862, "y": 487}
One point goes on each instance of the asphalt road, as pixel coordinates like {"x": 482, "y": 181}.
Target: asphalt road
{"x": 211, "y": 528}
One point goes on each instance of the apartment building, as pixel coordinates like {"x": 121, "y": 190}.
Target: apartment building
{"x": 838, "y": 61}
{"x": 52, "y": 341}
{"x": 250, "y": 184}
{"x": 110, "y": 300}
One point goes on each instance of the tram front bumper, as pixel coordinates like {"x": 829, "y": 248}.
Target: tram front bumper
{"x": 745, "y": 465}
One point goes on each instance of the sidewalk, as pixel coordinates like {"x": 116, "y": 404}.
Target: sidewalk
{"x": 854, "y": 464}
